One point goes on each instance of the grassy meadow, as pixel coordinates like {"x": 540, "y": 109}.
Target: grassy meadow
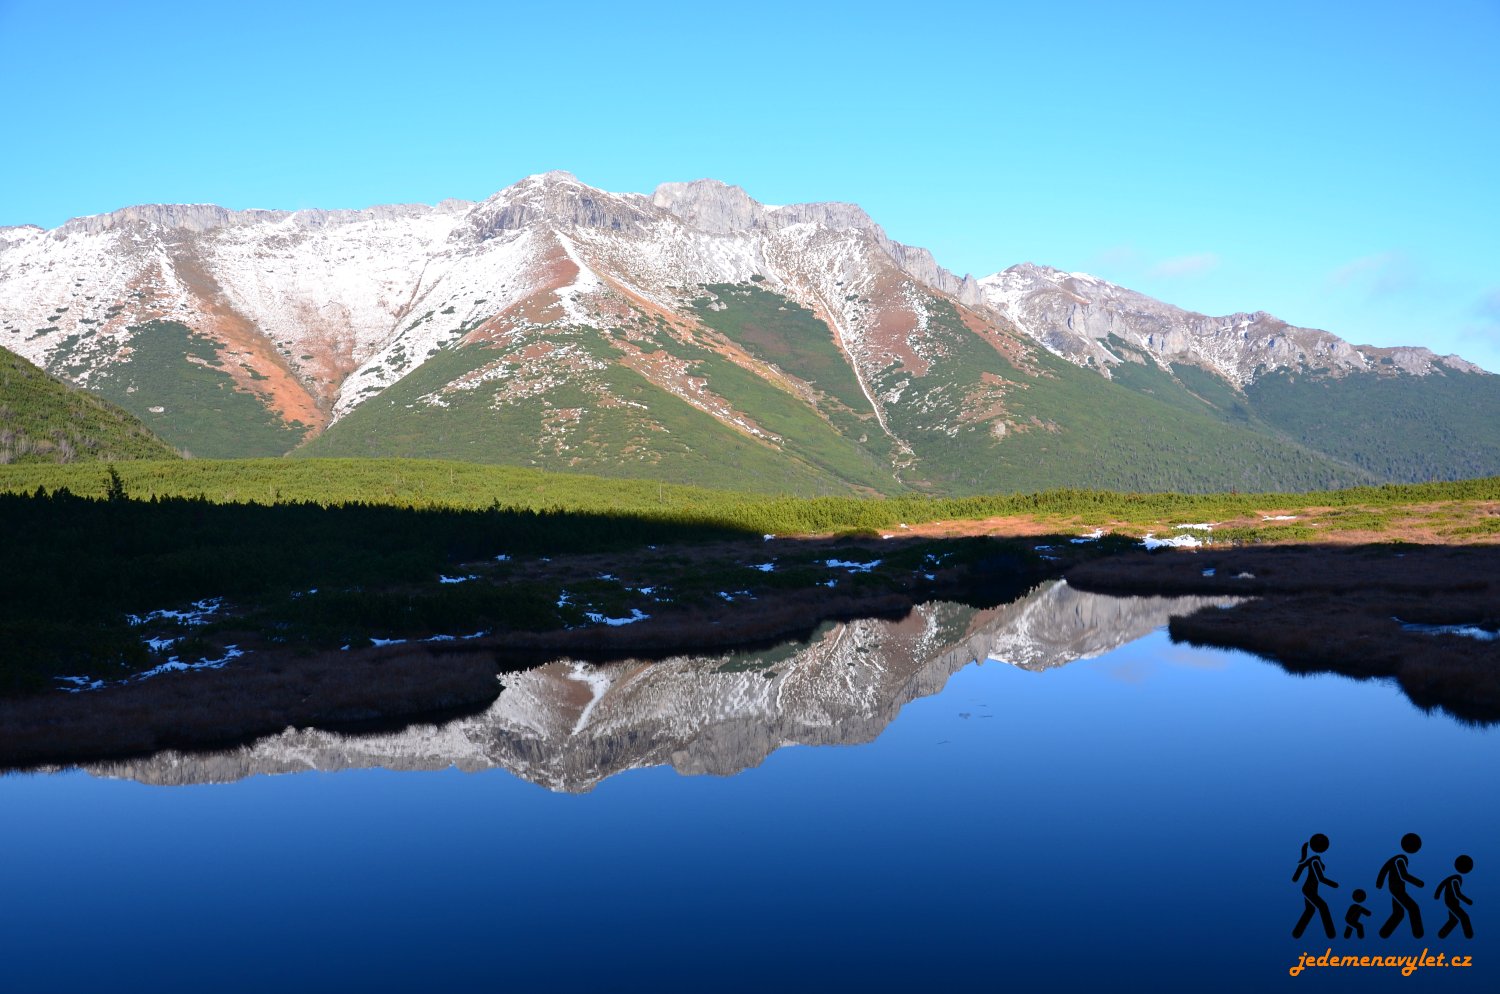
{"x": 435, "y": 484}
{"x": 315, "y": 554}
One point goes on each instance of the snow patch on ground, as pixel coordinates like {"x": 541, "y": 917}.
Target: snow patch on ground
{"x": 636, "y": 614}
{"x": 201, "y": 613}
{"x": 1175, "y": 542}
{"x": 175, "y": 665}
{"x": 457, "y": 638}
{"x": 1092, "y": 536}
{"x": 1467, "y": 631}
{"x": 1278, "y": 517}
{"x": 457, "y": 579}
{"x": 78, "y": 684}
{"x": 851, "y": 566}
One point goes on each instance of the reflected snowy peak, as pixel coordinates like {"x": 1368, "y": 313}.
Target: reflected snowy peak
{"x": 569, "y": 725}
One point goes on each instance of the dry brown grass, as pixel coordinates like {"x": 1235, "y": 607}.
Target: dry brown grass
{"x": 235, "y": 704}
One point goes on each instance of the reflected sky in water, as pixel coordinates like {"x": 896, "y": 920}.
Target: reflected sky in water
{"x": 1131, "y": 820}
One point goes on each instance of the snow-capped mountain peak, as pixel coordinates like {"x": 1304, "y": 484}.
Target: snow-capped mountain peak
{"x": 567, "y": 309}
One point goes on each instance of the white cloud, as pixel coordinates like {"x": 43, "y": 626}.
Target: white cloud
{"x": 1187, "y": 265}
{"x": 1119, "y": 256}
{"x": 1480, "y": 342}
{"x": 1489, "y": 308}
{"x": 1379, "y": 275}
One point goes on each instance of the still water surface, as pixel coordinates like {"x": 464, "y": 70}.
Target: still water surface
{"x": 874, "y": 811}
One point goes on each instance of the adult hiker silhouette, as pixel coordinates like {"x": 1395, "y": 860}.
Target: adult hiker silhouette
{"x": 1394, "y": 878}
{"x": 1450, "y": 890}
{"x": 1311, "y": 901}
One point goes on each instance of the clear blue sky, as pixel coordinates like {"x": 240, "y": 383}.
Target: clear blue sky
{"x": 1335, "y": 164}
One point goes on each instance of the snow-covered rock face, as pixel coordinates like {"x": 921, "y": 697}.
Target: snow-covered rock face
{"x": 1073, "y": 314}
{"x": 1058, "y": 624}
{"x": 709, "y": 205}
{"x": 323, "y": 309}
{"x": 14, "y": 234}
{"x": 316, "y": 312}
{"x": 559, "y": 198}
{"x": 569, "y": 725}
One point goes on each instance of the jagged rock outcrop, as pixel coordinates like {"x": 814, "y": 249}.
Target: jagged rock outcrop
{"x": 724, "y": 209}
{"x": 558, "y": 198}
{"x": 712, "y": 206}
{"x": 1074, "y": 315}
{"x": 189, "y": 219}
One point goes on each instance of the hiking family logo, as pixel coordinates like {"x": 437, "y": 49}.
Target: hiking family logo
{"x": 1397, "y": 878}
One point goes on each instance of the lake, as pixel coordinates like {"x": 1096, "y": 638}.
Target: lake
{"x": 1047, "y": 793}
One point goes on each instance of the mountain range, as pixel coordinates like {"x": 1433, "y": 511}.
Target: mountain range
{"x": 696, "y": 335}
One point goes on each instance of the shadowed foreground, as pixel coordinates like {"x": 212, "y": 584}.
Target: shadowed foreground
{"x": 1363, "y": 611}
{"x": 361, "y": 616}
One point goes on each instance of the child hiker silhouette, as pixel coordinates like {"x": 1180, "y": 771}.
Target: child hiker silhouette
{"x": 1357, "y": 910}
{"x": 1449, "y": 891}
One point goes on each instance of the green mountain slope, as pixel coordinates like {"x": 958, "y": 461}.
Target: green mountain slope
{"x": 1443, "y": 426}
{"x": 578, "y": 407}
{"x": 745, "y": 388}
{"x": 45, "y": 420}
{"x": 978, "y": 422}
{"x": 970, "y": 421}
{"x": 175, "y": 382}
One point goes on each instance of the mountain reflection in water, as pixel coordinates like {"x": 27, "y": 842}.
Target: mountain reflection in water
{"x": 569, "y": 725}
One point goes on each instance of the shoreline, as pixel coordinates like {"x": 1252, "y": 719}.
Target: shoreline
{"x": 380, "y": 688}
{"x": 1313, "y": 608}
{"x": 1359, "y": 611}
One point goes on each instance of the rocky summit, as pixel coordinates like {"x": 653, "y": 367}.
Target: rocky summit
{"x": 695, "y": 334}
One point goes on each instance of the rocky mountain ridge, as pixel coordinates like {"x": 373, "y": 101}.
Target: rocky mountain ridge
{"x": 1075, "y": 315}
{"x": 1072, "y": 314}
{"x": 560, "y": 325}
